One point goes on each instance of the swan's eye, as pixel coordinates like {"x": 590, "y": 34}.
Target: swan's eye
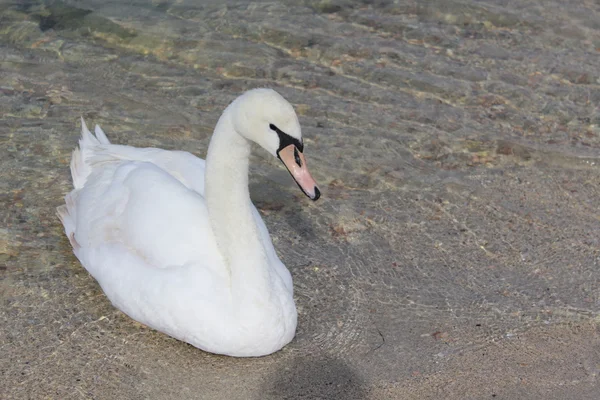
{"x": 273, "y": 127}
{"x": 297, "y": 157}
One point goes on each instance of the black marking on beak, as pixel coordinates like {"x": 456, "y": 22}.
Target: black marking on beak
{"x": 297, "y": 157}
{"x": 317, "y": 194}
{"x": 285, "y": 140}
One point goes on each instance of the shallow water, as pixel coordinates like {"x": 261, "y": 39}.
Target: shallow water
{"x": 457, "y": 148}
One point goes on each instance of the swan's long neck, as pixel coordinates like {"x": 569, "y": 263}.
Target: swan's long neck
{"x": 230, "y": 208}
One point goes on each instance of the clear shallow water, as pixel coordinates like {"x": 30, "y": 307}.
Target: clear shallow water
{"x": 456, "y": 143}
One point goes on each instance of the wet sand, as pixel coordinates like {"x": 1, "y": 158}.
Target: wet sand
{"x": 454, "y": 253}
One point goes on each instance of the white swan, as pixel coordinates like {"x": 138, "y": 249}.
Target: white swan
{"x": 177, "y": 244}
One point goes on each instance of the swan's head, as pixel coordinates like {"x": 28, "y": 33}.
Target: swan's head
{"x": 266, "y": 118}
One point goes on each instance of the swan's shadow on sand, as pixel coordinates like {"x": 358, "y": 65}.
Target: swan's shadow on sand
{"x": 304, "y": 377}
{"x": 310, "y": 378}
{"x": 274, "y": 197}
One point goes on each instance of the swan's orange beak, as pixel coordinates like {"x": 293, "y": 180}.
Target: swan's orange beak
{"x": 294, "y": 161}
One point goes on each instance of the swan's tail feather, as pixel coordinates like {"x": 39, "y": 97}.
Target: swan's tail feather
{"x": 109, "y": 154}
{"x": 101, "y": 135}
{"x": 87, "y": 139}
{"x": 81, "y": 168}
{"x": 88, "y": 144}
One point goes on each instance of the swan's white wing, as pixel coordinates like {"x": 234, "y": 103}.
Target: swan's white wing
{"x": 147, "y": 210}
{"x": 181, "y": 165}
{"x": 141, "y": 228}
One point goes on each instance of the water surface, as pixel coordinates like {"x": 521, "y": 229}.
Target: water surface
{"x": 457, "y": 146}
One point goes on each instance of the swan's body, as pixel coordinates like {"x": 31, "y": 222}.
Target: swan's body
{"x": 175, "y": 241}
